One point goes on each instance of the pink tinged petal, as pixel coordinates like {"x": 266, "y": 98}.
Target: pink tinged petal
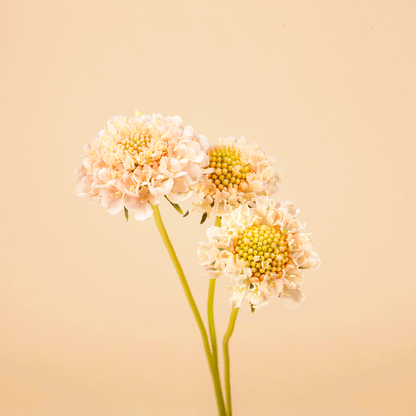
{"x": 180, "y": 186}
{"x": 143, "y": 212}
{"x": 131, "y": 203}
{"x": 108, "y": 195}
{"x": 203, "y": 141}
{"x": 292, "y": 296}
{"x": 103, "y": 175}
{"x": 152, "y": 190}
{"x": 178, "y": 175}
{"x": 83, "y": 187}
{"x": 86, "y": 164}
{"x": 166, "y": 187}
{"x": 116, "y": 206}
{"x": 81, "y": 169}
{"x": 175, "y": 165}
{"x": 194, "y": 172}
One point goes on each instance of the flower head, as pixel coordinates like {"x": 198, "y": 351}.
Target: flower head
{"x": 261, "y": 249}
{"x": 133, "y": 162}
{"x": 238, "y": 172}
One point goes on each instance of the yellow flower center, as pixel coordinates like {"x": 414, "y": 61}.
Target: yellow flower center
{"x": 144, "y": 147}
{"x": 136, "y": 142}
{"x": 264, "y": 249}
{"x": 229, "y": 170}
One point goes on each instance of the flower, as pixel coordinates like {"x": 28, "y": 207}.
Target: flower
{"x": 261, "y": 249}
{"x": 238, "y": 172}
{"x": 133, "y": 162}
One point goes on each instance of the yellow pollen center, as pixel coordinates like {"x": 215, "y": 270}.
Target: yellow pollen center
{"x": 229, "y": 171}
{"x": 264, "y": 249}
{"x": 136, "y": 142}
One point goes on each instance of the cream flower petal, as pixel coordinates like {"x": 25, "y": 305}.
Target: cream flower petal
{"x": 261, "y": 257}
{"x": 292, "y": 296}
{"x": 301, "y": 242}
{"x": 307, "y": 260}
{"x": 255, "y": 186}
{"x": 292, "y": 276}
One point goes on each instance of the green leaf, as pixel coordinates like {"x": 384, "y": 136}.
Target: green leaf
{"x": 204, "y": 217}
{"x": 252, "y": 308}
{"x": 186, "y": 214}
{"x": 176, "y": 206}
{"x": 126, "y": 213}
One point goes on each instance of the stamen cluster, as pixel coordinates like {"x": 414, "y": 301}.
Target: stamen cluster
{"x": 229, "y": 172}
{"x": 238, "y": 172}
{"x": 136, "y": 142}
{"x": 264, "y": 248}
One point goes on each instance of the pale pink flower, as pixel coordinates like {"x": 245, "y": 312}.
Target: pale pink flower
{"x": 134, "y": 162}
{"x": 260, "y": 248}
{"x": 238, "y": 172}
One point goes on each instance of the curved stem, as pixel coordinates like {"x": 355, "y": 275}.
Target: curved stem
{"x": 227, "y": 337}
{"x": 211, "y": 323}
{"x": 191, "y": 301}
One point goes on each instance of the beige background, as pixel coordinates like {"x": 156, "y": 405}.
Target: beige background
{"x": 93, "y": 320}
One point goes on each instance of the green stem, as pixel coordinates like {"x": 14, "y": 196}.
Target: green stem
{"x": 227, "y": 337}
{"x": 212, "y": 324}
{"x": 189, "y": 297}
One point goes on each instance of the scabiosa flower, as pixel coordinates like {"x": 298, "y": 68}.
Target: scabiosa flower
{"x": 133, "y": 162}
{"x": 238, "y": 172}
{"x": 261, "y": 249}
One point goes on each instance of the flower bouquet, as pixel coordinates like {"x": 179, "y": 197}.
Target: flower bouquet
{"x": 257, "y": 243}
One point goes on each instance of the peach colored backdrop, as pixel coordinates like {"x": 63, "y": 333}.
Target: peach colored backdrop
{"x": 93, "y": 321}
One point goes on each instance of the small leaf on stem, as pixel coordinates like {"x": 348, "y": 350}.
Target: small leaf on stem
{"x": 176, "y": 206}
